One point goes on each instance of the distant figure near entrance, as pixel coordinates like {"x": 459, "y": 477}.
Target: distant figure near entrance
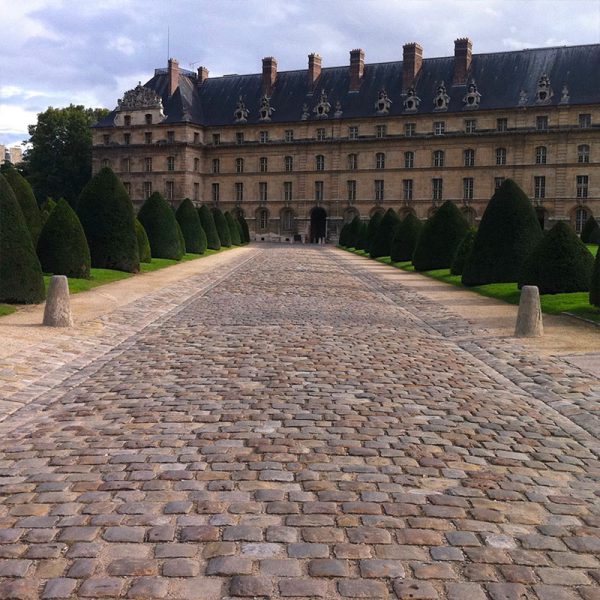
{"x": 318, "y": 225}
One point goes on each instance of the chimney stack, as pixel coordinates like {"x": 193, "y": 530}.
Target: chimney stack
{"x": 357, "y": 68}
{"x": 462, "y": 60}
{"x": 412, "y": 59}
{"x": 202, "y": 75}
{"x": 173, "y": 75}
{"x": 269, "y": 75}
{"x": 314, "y": 69}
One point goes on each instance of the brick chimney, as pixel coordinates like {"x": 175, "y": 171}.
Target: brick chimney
{"x": 412, "y": 59}
{"x": 314, "y": 69}
{"x": 357, "y": 68}
{"x": 269, "y": 75}
{"x": 173, "y": 75}
{"x": 202, "y": 75}
{"x": 462, "y": 60}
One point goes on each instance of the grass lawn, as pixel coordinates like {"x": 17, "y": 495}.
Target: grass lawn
{"x": 161, "y": 263}
{"x": 6, "y": 309}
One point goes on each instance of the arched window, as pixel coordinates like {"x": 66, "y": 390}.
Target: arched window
{"x": 320, "y": 162}
{"x": 380, "y": 160}
{"x": 581, "y": 216}
{"x": 262, "y": 219}
{"x": 288, "y": 163}
{"x": 239, "y": 165}
{"x": 583, "y": 153}
{"x": 541, "y": 154}
{"x": 469, "y": 156}
{"x": 409, "y": 160}
{"x": 438, "y": 158}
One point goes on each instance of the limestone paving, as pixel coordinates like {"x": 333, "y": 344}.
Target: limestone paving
{"x": 301, "y": 428}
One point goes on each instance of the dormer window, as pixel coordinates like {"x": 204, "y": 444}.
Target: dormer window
{"x": 411, "y": 104}
{"x": 323, "y": 107}
{"x": 544, "y": 92}
{"x": 472, "y": 97}
{"x": 266, "y": 110}
{"x": 441, "y": 98}
{"x": 382, "y": 106}
{"x": 241, "y": 112}
{"x": 127, "y": 120}
{"x": 148, "y": 119}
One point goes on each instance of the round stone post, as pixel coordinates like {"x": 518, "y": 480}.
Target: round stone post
{"x": 529, "y": 318}
{"x": 58, "y": 307}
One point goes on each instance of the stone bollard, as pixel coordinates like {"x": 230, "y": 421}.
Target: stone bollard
{"x": 58, "y": 307}
{"x": 529, "y": 318}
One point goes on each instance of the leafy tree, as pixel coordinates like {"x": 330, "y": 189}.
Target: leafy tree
{"x": 374, "y": 223}
{"x": 106, "y": 214}
{"x": 189, "y": 221}
{"x": 143, "y": 243}
{"x": 59, "y": 162}
{"x": 589, "y": 229}
{"x": 222, "y": 227}
{"x": 21, "y": 278}
{"x": 161, "y": 227}
{"x": 233, "y": 230}
{"x": 26, "y": 200}
{"x": 405, "y": 239}
{"x": 62, "y": 247}
{"x": 382, "y": 240}
{"x": 462, "y": 252}
{"x": 208, "y": 224}
{"x": 595, "y": 282}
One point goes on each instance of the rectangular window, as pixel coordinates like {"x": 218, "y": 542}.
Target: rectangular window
{"x": 147, "y": 189}
{"x": 410, "y": 129}
{"x": 468, "y": 188}
{"x": 439, "y": 127}
{"x": 470, "y": 125}
{"x": 105, "y": 139}
{"x": 540, "y": 155}
{"x": 263, "y": 137}
{"x": 288, "y": 164}
{"x": 105, "y": 162}
{"x": 320, "y": 134}
{"x": 469, "y": 157}
{"x": 148, "y": 164}
{"x": 127, "y": 138}
{"x": 215, "y": 193}
{"x": 380, "y": 160}
{"x": 127, "y": 186}
{"x": 409, "y": 160}
{"x": 502, "y": 124}
{"x": 239, "y": 192}
{"x": 320, "y": 162}
{"x": 380, "y": 131}
{"x": 170, "y": 190}
{"x": 239, "y": 137}
{"x": 500, "y": 156}
{"x": 498, "y": 181}
{"x": 539, "y": 190}
{"x": 148, "y": 119}
{"x": 438, "y": 158}
{"x": 407, "y": 189}
{"x": 196, "y": 137}
{"x": 351, "y": 185}
{"x": 216, "y": 165}
{"x": 263, "y": 164}
{"x": 287, "y": 191}
{"x": 541, "y": 123}
{"x": 262, "y": 191}
{"x": 170, "y": 137}
{"x": 148, "y": 137}
{"x": 289, "y": 135}
{"x": 379, "y": 190}
{"x": 583, "y": 153}
{"x": 170, "y": 163}
{"x": 196, "y": 192}
{"x": 127, "y": 120}
{"x": 585, "y": 121}
{"x": 437, "y": 188}
{"x": 318, "y": 191}
{"x": 582, "y": 186}
{"x": 196, "y": 164}
{"x": 216, "y": 139}
{"x": 352, "y": 162}
{"x": 353, "y": 132}
{"x": 239, "y": 165}
{"x": 125, "y": 165}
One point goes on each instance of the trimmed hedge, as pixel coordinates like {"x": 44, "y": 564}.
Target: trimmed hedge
{"x": 26, "y": 199}
{"x": 595, "y": 282}
{"x": 405, "y": 239}
{"x": 162, "y": 229}
{"x": 372, "y": 228}
{"x": 559, "y": 263}
{"x": 106, "y": 215}
{"x": 222, "y": 227}
{"x": 189, "y": 221}
{"x": 208, "y": 224}
{"x": 62, "y": 247}
{"x": 382, "y": 240}
{"x": 143, "y": 243}
{"x": 21, "y": 278}
{"x": 245, "y": 229}
{"x": 240, "y": 232}
{"x": 46, "y": 209}
{"x": 343, "y": 241}
{"x": 590, "y": 227}
{"x": 361, "y": 241}
{"x": 234, "y": 232}
{"x": 462, "y": 252}
{"x": 354, "y": 230}
{"x": 508, "y": 233}
{"x": 439, "y": 238}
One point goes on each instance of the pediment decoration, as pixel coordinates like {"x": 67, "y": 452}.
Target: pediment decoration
{"x": 382, "y": 106}
{"x": 266, "y": 110}
{"x": 241, "y": 112}
{"x": 323, "y": 107}
{"x": 544, "y": 93}
{"x": 441, "y": 98}
{"x": 472, "y": 98}
{"x": 140, "y": 97}
{"x": 412, "y": 101}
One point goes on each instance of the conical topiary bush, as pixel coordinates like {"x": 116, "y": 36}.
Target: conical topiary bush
{"x": 208, "y": 224}
{"x": 372, "y": 227}
{"x": 559, "y": 263}
{"x": 439, "y": 238}
{"x": 245, "y": 228}
{"x": 405, "y": 239}
{"x": 143, "y": 243}
{"x": 46, "y": 209}
{"x": 462, "y": 252}
{"x": 240, "y": 231}
{"x": 343, "y": 241}
{"x": 589, "y": 229}
{"x": 107, "y": 217}
{"x": 354, "y": 229}
{"x": 180, "y": 238}
{"x": 382, "y": 240}
{"x": 222, "y": 227}
{"x": 21, "y": 278}
{"x": 508, "y": 232}
{"x": 161, "y": 227}
{"x": 234, "y": 232}
{"x": 361, "y": 240}
{"x": 62, "y": 247}
{"x": 189, "y": 221}
{"x": 595, "y": 282}
{"x": 26, "y": 199}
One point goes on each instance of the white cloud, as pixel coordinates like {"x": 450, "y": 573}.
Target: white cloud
{"x": 14, "y": 120}
{"x": 122, "y": 44}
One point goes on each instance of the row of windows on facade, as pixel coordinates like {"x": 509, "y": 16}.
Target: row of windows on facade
{"x": 380, "y": 131}
{"x": 437, "y": 186}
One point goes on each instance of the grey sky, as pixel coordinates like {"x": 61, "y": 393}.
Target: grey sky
{"x": 85, "y": 52}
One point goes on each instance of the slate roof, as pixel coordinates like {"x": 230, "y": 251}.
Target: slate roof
{"x": 499, "y": 77}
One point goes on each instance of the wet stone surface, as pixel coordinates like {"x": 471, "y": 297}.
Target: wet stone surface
{"x": 305, "y": 428}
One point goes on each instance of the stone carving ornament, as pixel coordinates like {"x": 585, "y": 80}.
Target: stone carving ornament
{"x": 382, "y": 106}
{"x": 140, "y": 97}
{"x": 323, "y": 107}
{"x": 441, "y": 98}
{"x": 472, "y": 97}
{"x": 338, "y": 110}
{"x": 544, "y": 91}
{"x": 411, "y": 104}
{"x": 266, "y": 110}
{"x": 305, "y": 112}
{"x": 241, "y": 112}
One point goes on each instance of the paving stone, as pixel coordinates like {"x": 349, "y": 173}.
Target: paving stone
{"x": 229, "y": 565}
{"x": 147, "y": 588}
{"x": 381, "y": 568}
{"x": 180, "y": 567}
{"x": 250, "y": 585}
{"x": 302, "y": 587}
{"x": 325, "y": 567}
{"x": 462, "y": 591}
{"x": 60, "y": 587}
{"x": 411, "y": 589}
{"x": 102, "y": 587}
{"x": 361, "y": 588}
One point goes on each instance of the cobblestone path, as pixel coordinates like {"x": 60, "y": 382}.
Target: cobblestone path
{"x": 304, "y": 429}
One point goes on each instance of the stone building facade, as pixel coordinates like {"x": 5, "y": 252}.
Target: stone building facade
{"x": 301, "y": 152}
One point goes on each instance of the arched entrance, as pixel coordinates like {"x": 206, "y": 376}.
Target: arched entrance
{"x": 318, "y": 224}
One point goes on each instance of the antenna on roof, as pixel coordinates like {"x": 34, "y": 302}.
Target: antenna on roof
{"x": 168, "y": 43}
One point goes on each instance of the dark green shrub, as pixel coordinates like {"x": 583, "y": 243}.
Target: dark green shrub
{"x": 354, "y": 229}
{"x": 595, "y": 236}
{"x": 382, "y": 240}
{"x": 462, "y": 252}
{"x": 208, "y": 224}
{"x": 372, "y": 227}
{"x": 589, "y": 228}
{"x": 508, "y": 232}
{"x": 62, "y": 247}
{"x": 245, "y": 229}
{"x": 26, "y": 200}
{"x": 106, "y": 215}
{"x": 405, "y": 239}
{"x": 189, "y": 221}
{"x": 240, "y": 232}
{"x": 595, "y": 282}
{"x": 234, "y": 232}
{"x": 343, "y": 242}
{"x": 361, "y": 242}
{"x": 143, "y": 243}
{"x": 46, "y": 209}
{"x": 162, "y": 229}
{"x": 21, "y": 278}
{"x": 439, "y": 238}
{"x": 222, "y": 227}
{"x": 559, "y": 263}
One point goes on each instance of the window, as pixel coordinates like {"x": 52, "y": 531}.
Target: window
{"x": 239, "y": 192}
{"x": 320, "y": 134}
{"x": 263, "y": 164}
{"x": 216, "y": 139}
{"x": 263, "y": 137}
{"x": 409, "y": 160}
{"x": 263, "y": 219}
{"x": 380, "y": 160}
{"x": 353, "y": 132}
{"x": 127, "y": 187}
{"x": 215, "y": 193}
{"x": 170, "y": 163}
{"x": 407, "y": 189}
{"x": 585, "y": 121}
{"x": 583, "y": 153}
{"x": 351, "y": 186}
{"x": 148, "y": 119}
{"x": 239, "y": 137}
{"x": 287, "y": 191}
{"x": 105, "y": 162}
{"x": 410, "y": 129}
{"x": 262, "y": 191}
{"x": 581, "y": 216}
{"x": 170, "y": 137}
{"x": 352, "y": 162}
{"x": 288, "y": 163}
{"x": 469, "y": 157}
{"x": 439, "y": 127}
{"x": 216, "y": 165}
{"x": 437, "y": 188}
{"x": 147, "y": 189}
{"x": 106, "y": 139}
{"x": 541, "y": 123}
{"x": 125, "y": 165}
{"x": 379, "y": 190}
{"x": 539, "y": 187}
{"x": 438, "y": 158}
{"x": 239, "y": 165}
{"x": 498, "y": 181}
{"x": 127, "y": 138}
{"x": 127, "y": 120}
{"x": 148, "y": 137}
{"x": 148, "y": 164}
{"x": 320, "y": 162}
{"x": 289, "y": 135}
{"x": 196, "y": 137}
{"x": 502, "y": 124}
{"x": 468, "y": 188}
{"x": 170, "y": 190}
{"x": 380, "y": 131}
{"x": 500, "y": 156}
{"x": 318, "y": 191}
{"x": 196, "y": 164}
{"x": 287, "y": 220}
{"x": 540, "y": 155}
{"x": 470, "y": 125}
{"x": 196, "y": 192}
{"x": 582, "y": 186}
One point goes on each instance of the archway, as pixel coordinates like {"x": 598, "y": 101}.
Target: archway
{"x": 318, "y": 224}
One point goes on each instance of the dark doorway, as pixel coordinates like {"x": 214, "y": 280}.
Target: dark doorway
{"x": 318, "y": 224}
